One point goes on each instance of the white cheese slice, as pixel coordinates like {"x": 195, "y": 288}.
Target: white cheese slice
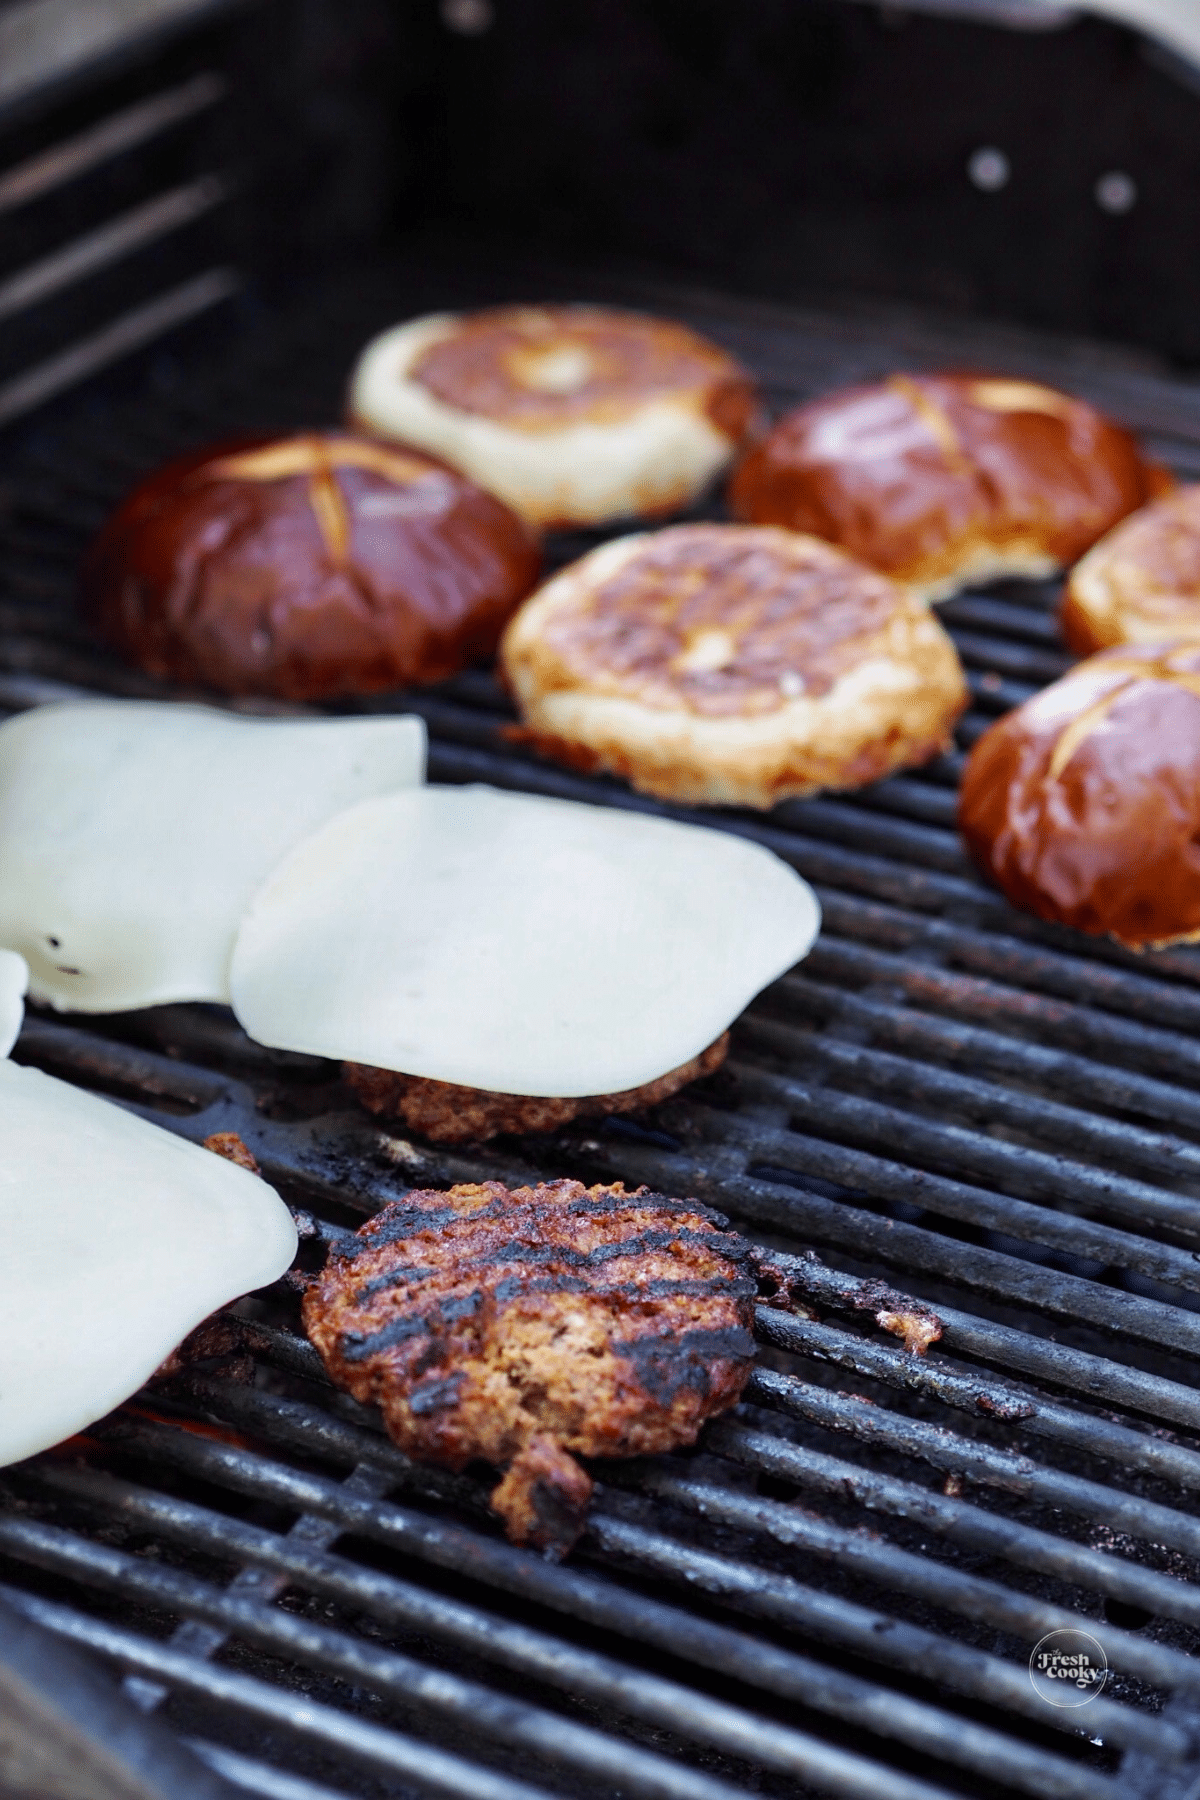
{"x": 14, "y": 981}
{"x": 133, "y": 833}
{"x": 119, "y": 1238}
{"x": 503, "y": 941}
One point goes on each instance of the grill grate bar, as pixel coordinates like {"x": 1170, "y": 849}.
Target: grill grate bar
{"x": 976, "y": 1393}
{"x": 911, "y": 1030}
{"x": 580, "y": 1596}
{"x": 256, "y": 1581}
{"x": 1122, "y": 998}
{"x": 877, "y": 1635}
{"x": 1072, "y": 1129}
{"x": 1020, "y": 620}
{"x": 985, "y": 1466}
{"x": 1013, "y": 1168}
{"x": 257, "y": 1777}
{"x": 464, "y": 1705}
{"x": 991, "y": 653}
{"x": 958, "y": 1520}
{"x": 632, "y": 1692}
{"x": 325, "y": 1728}
{"x": 553, "y": 1738}
{"x": 769, "y": 1198}
{"x": 120, "y": 132}
{"x": 120, "y": 337}
{"x": 916, "y": 796}
{"x": 116, "y": 238}
{"x": 793, "y": 1605}
{"x": 900, "y": 1571}
{"x": 1076, "y": 1025}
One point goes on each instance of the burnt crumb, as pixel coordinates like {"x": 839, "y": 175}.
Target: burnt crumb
{"x": 797, "y": 1279}
{"x": 916, "y": 1329}
{"x": 994, "y": 1408}
{"x": 229, "y": 1145}
{"x": 219, "y": 1343}
{"x": 527, "y": 1327}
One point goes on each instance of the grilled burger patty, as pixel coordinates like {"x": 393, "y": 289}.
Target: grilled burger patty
{"x": 527, "y": 1326}
{"x": 445, "y": 1113}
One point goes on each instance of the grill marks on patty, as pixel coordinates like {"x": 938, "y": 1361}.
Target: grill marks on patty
{"x": 524, "y": 1327}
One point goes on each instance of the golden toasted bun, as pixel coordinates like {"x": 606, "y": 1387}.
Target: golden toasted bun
{"x": 731, "y": 665}
{"x": 571, "y": 414}
{"x": 1083, "y": 805}
{"x": 942, "y": 481}
{"x": 445, "y": 1113}
{"x": 1141, "y": 583}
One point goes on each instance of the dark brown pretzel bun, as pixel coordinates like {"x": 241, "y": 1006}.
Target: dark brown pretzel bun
{"x": 307, "y": 567}
{"x": 1083, "y": 805}
{"x": 942, "y": 480}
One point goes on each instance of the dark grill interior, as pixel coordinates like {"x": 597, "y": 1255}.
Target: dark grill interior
{"x": 839, "y": 1592}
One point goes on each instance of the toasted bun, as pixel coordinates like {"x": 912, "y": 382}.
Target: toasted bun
{"x": 1083, "y": 805}
{"x": 307, "y": 567}
{"x": 571, "y": 414}
{"x": 445, "y": 1113}
{"x": 731, "y": 665}
{"x": 1141, "y": 583}
{"x": 944, "y": 480}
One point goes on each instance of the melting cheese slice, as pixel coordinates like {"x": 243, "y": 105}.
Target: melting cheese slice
{"x": 118, "y": 1238}
{"x": 14, "y": 981}
{"x": 132, "y": 835}
{"x": 524, "y": 945}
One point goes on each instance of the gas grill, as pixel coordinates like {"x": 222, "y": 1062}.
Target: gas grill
{"x": 840, "y": 1590}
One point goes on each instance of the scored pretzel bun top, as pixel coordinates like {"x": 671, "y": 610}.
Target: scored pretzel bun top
{"x": 1141, "y": 583}
{"x": 572, "y": 414}
{"x": 1083, "y": 805}
{"x": 730, "y": 664}
{"x": 944, "y": 480}
{"x": 306, "y": 567}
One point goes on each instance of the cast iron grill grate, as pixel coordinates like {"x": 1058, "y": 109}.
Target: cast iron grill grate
{"x": 840, "y": 1591}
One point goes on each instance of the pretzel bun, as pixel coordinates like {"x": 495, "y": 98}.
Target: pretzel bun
{"x": 306, "y": 567}
{"x": 732, "y": 665}
{"x": 1141, "y": 582}
{"x": 571, "y": 414}
{"x": 1083, "y": 805}
{"x": 945, "y": 480}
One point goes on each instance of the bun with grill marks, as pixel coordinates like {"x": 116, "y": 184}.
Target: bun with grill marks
{"x": 731, "y": 665}
{"x": 1083, "y": 805}
{"x": 306, "y": 567}
{"x": 572, "y": 414}
{"x": 944, "y": 480}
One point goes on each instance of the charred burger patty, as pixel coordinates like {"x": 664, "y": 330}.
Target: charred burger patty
{"x": 525, "y": 1327}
